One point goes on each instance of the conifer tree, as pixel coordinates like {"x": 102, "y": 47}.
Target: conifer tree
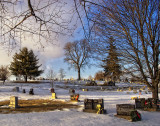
{"x": 25, "y": 63}
{"x": 111, "y": 65}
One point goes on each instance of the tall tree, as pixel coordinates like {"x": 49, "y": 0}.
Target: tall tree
{"x": 26, "y": 64}
{"x": 99, "y": 76}
{"x": 4, "y": 73}
{"x": 135, "y": 25}
{"x": 111, "y": 65}
{"x": 77, "y": 54}
{"x": 62, "y": 73}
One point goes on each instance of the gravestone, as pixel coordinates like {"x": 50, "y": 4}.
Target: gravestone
{"x": 124, "y": 109}
{"x": 94, "y": 106}
{"x": 152, "y": 103}
{"x": 85, "y": 89}
{"x": 110, "y": 83}
{"x": 71, "y": 91}
{"x": 140, "y": 103}
{"x": 130, "y": 88}
{"x": 52, "y": 90}
{"x": 91, "y": 83}
{"x": 13, "y": 102}
{"x": 127, "y": 111}
{"x": 16, "y": 89}
{"x": 24, "y": 91}
{"x": 135, "y": 91}
{"x": 31, "y": 92}
{"x": 74, "y": 97}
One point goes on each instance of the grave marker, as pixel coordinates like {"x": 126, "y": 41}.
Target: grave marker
{"x": 16, "y": 89}
{"x": 31, "y": 92}
{"x": 13, "y": 102}
{"x": 94, "y": 106}
{"x": 127, "y": 111}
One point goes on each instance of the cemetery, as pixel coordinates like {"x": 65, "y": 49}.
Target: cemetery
{"x": 125, "y": 104}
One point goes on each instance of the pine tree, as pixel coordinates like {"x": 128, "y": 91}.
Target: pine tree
{"x": 25, "y": 64}
{"x": 4, "y": 73}
{"x": 111, "y": 65}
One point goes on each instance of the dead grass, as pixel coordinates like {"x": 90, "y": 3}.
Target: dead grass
{"x": 38, "y": 105}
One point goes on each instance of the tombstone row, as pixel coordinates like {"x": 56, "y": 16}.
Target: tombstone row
{"x": 146, "y": 104}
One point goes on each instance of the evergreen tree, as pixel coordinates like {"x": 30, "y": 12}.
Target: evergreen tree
{"x": 25, "y": 64}
{"x": 111, "y": 65}
{"x": 4, "y": 73}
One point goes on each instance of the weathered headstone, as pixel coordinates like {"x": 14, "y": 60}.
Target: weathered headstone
{"x": 94, "y": 106}
{"x": 31, "y": 92}
{"x": 13, "y": 102}
{"x": 71, "y": 91}
{"x": 24, "y": 91}
{"x": 16, "y": 89}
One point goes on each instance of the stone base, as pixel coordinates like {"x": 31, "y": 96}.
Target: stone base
{"x": 94, "y": 111}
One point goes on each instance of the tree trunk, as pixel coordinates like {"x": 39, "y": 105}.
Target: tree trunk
{"x": 3, "y": 82}
{"x": 25, "y": 77}
{"x": 79, "y": 74}
{"x": 155, "y": 92}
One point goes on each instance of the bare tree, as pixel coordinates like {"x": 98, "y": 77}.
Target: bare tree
{"x": 62, "y": 73}
{"x": 39, "y": 19}
{"x": 4, "y": 73}
{"x": 51, "y": 76}
{"x": 77, "y": 54}
{"x": 135, "y": 26}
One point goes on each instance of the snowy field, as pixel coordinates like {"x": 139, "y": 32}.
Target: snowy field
{"x": 74, "y": 117}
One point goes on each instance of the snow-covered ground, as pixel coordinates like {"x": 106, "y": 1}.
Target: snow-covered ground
{"x": 74, "y": 117}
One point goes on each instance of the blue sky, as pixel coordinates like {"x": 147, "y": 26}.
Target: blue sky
{"x": 52, "y": 55}
{"x": 58, "y": 63}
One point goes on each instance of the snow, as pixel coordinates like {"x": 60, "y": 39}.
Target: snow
{"x": 74, "y": 117}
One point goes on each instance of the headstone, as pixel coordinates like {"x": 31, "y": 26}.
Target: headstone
{"x": 91, "y": 83}
{"x": 54, "y": 96}
{"x": 13, "y": 102}
{"x": 85, "y": 89}
{"x": 31, "y": 92}
{"x": 16, "y": 89}
{"x": 110, "y": 83}
{"x": 52, "y": 90}
{"x": 130, "y": 88}
{"x": 134, "y": 91}
{"x": 71, "y": 91}
{"x": 94, "y": 106}
{"x": 140, "y": 103}
{"x": 125, "y": 109}
{"x": 24, "y": 91}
